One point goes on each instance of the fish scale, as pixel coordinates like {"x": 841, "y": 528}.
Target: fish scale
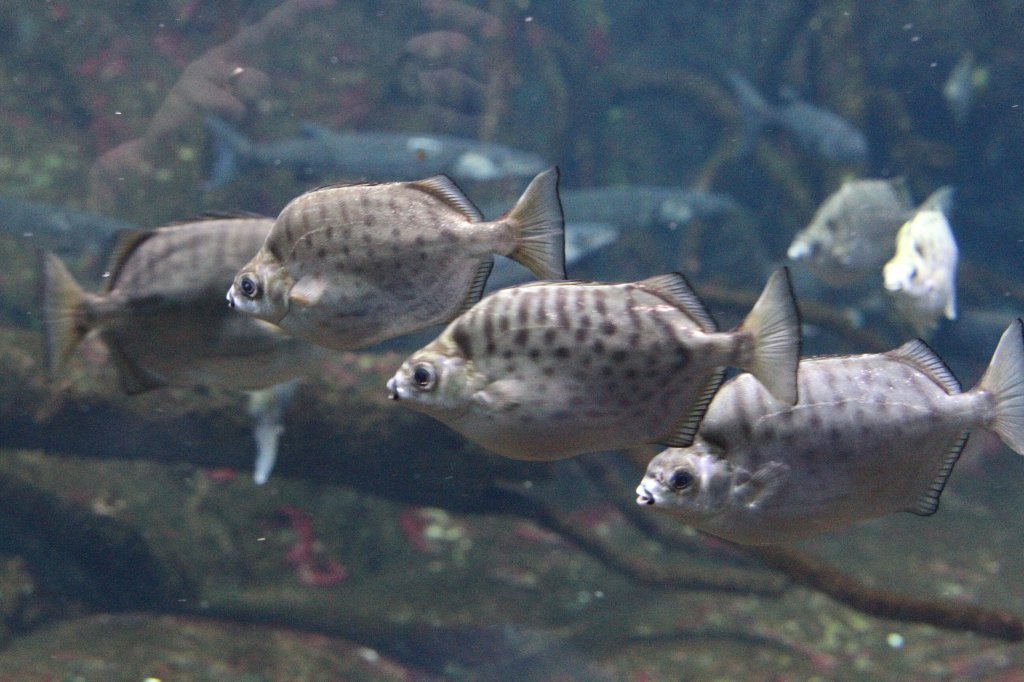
{"x": 553, "y": 369}
{"x": 870, "y": 435}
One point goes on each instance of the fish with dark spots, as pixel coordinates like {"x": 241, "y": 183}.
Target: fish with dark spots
{"x": 621, "y": 393}
{"x": 354, "y": 296}
{"x": 761, "y": 472}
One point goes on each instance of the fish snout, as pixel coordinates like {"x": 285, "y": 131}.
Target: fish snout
{"x": 393, "y": 389}
{"x": 643, "y": 496}
{"x": 230, "y": 298}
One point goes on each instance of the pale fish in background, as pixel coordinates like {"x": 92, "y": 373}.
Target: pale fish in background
{"x": 852, "y": 233}
{"x": 870, "y": 436}
{"x": 366, "y": 156}
{"x": 921, "y": 277}
{"x": 963, "y": 84}
{"x": 352, "y": 265}
{"x": 550, "y": 370}
{"x": 817, "y": 130}
{"x": 266, "y": 407}
{"x": 162, "y": 316}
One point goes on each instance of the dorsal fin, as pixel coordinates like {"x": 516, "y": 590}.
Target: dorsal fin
{"x": 920, "y": 355}
{"x": 928, "y": 502}
{"x": 674, "y": 288}
{"x": 443, "y": 188}
{"x": 124, "y": 247}
{"x": 476, "y": 289}
{"x": 682, "y": 433}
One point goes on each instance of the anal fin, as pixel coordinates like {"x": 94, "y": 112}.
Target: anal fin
{"x": 928, "y": 503}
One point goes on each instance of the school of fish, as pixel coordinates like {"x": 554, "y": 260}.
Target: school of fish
{"x": 553, "y": 369}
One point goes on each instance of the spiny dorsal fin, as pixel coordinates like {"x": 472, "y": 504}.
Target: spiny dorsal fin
{"x": 681, "y": 434}
{"x": 928, "y": 502}
{"x": 920, "y": 355}
{"x": 674, "y": 288}
{"x": 476, "y": 289}
{"x": 444, "y": 188}
{"x": 124, "y": 247}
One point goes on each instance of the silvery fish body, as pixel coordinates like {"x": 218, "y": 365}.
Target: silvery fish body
{"x": 163, "y": 315}
{"x": 550, "y": 370}
{"x": 368, "y": 155}
{"x": 921, "y": 276}
{"x": 852, "y": 233}
{"x": 349, "y": 266}
{"x": 870, "y": 435}
{"x": 817, "y": 130}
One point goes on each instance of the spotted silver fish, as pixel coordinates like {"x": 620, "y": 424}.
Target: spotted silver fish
{"x": 162, "y": 316}
{"x": 550, "y": 370}
{"x": 871, "y": 435}
{"x": 349, "y": 266}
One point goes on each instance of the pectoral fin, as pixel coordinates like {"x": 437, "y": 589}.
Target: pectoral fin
{"x": 307, "y": 291}
{"x": 762, "y": 485}
{"x": 502, "y": 395}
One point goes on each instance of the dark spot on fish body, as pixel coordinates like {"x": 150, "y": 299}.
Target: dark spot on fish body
{"x": 618, "y": 356}
{"x": 562, "y": 352}
{"x": 682, "y": 357}
{"x": 503, "y": 324}
{"x": 584, "y": 321}
{"x": 550, "y": 335}
{"x": 561, "y": 310}
{"x": 321, "y": 253}
{"x": 581, "y": 335}
{"x": 491, "y": 348}
{"x": 597, "y": 347}
{"x": 630, "y": 373}
{"x": 548, "y": 371}
{"x": 507, "y": 354}
{"x": 608, "y": 328}
{"x": 329, "y": 232}
{"x": 510, "y": 368}
{"x": 634, "y": 339}
{"x": 534, "y": 354}
{"x": 599, "y": 303}
{"x": 522, "y": 337}
{"x": 463, "y": 340}
{"x": 274, "y": 250}
{"x": 288, "y": 233}
{"x": 606, "y": 370}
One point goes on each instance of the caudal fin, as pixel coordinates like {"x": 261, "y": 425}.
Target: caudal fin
{"x": 540, "y": 227}
{"x": 774, "y": 323}
{"x": 231, "y": 148}
{"x": 63, "y": 304}
{"x": 1004, "y": 380}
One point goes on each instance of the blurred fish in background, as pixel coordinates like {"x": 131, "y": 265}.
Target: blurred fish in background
{"x": 965, "y": 81}
{"x": 817, "y": 130}
{"x": 852, "y": 234}
{"x": 366, "y": 155}
{"x": 921, "y": 277}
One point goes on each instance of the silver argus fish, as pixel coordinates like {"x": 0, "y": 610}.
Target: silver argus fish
{"x": 349, "y": 266}
{"x": 871, "y": 435}
{"x": 550, "y": 370}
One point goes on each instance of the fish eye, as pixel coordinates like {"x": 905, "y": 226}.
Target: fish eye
{"x": 423, "y": 376}
{"x": 681, "y": 479}
{"x": 248, "y": 286}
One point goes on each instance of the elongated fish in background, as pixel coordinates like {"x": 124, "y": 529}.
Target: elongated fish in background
{"x": 162, "y": 315}
{"x": 963, "y": 84}
{"x": 921, "y": 276}
{"x": 55, "y": 227}
{"x": 871, "y": 435}
{"x": 853, "y": 232}
{"x": 349, "y": 266}
{"x": 369, "y": 156}
{"x": 631, "y": 205}
{"x": 550, "y": 370}
{"x": 819, "y": 131}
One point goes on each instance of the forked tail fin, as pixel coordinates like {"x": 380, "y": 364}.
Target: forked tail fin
{"x": 774, "y": 323}
{"x": 540, "y": 228}
{"x": 1004, "y": 379}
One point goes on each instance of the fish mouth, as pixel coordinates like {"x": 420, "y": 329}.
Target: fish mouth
{"x": 231, "y": 299}
{"x": 392, "y": 389}
{"x": 643, "y": 496}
